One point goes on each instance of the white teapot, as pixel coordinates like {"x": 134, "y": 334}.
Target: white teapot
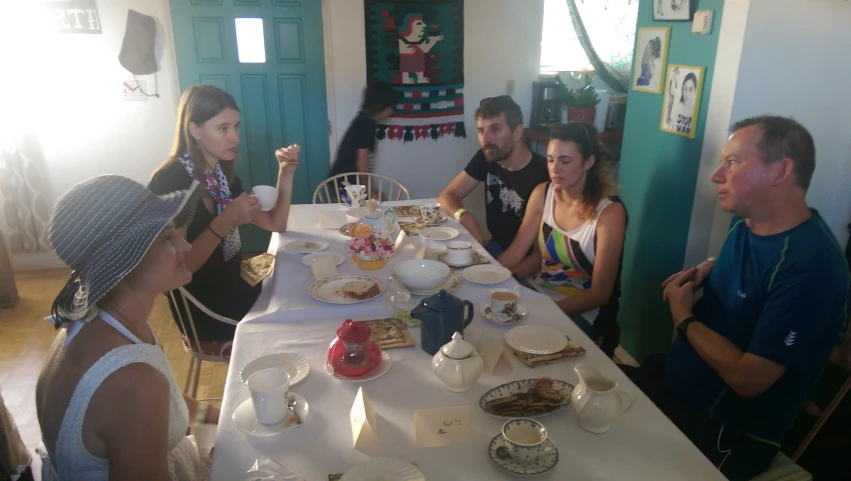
{"x": 598, "y": 400}
{"x": 457, "y": 364}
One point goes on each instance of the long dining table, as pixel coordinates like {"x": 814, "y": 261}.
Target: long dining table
{"x": 642, "y": 444}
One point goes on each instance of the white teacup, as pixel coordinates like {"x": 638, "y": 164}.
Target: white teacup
{"x": 504, "y": 303}
{"x": 431, "y": 213}
{"x": 525, "y": 439}
{"x": 267, "y": 195}
{"x": 269, "y": 388}
{"x": 459, "y": 253}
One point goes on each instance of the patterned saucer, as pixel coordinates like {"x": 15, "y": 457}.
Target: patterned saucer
{"x": 541, "y": 465}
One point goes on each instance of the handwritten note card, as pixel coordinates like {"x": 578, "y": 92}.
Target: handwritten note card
{"x": 442, "y": 426}
{"x": 362, "y": 416}
{"x": 491, "y": 350}
{"x": 322, "y": 267}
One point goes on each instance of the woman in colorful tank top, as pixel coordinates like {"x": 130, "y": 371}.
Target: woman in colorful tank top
{"x": 575, "y": 225}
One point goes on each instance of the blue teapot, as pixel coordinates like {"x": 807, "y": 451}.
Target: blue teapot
{"x": 441, "y": 315}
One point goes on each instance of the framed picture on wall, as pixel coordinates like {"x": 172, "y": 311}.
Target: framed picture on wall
{"x": 651, "y": 55}
{"x": 681, "y": 102}
{"x": 671, "y": 10}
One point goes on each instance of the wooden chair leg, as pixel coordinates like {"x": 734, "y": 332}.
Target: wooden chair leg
{"x": 822, "y": 419}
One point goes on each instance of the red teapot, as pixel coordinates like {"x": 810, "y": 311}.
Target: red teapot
{"x": 353, "y": 353}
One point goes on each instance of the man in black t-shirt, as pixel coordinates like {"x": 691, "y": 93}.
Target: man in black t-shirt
{"x": 509, "y": 169}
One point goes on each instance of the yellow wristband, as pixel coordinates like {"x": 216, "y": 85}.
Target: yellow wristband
{"x": 201, "y": 413}
{"x": 459, "y": 213}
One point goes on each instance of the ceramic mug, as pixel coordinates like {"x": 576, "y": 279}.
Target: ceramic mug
{"x": 459, "y": 253}
{"x": 504, "y": 303}
{"x": 431, "y": 213}
{"x": 525, "y": 439}
{"x": 269, "y": 388}
{"x": 267, "y": 195}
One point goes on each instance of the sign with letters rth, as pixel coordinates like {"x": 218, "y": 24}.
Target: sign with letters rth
{"x": 74, "y": 16}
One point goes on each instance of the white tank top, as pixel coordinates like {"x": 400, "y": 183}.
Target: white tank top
{"x": 72, "y": 461}
{"x": 567, "y": 258}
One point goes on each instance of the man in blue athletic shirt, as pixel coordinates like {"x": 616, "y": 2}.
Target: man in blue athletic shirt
{"x": 774, "y": 305}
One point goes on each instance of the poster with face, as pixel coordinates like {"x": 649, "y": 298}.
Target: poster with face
{"x": 681, "y": 102}
{"x": 651, "y": 50}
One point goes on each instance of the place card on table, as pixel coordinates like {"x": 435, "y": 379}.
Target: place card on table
{"x": 442, "y": 426}
{"x": 322, "y": 267}
{"x": 491, "y": 351}
{"x": 362, "y": 417}
{"x": 402, "y": 240}
{"x": 332, "y": 220}
{"x": 420, "y": 251}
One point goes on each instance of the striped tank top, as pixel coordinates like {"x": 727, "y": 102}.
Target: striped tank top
{"x": 567, "y": 258}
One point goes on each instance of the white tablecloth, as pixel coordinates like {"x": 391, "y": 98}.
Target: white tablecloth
{"x": 643, "y": 444}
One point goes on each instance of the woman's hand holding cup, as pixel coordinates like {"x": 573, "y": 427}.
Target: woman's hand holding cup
{"x": 240, "y": 211}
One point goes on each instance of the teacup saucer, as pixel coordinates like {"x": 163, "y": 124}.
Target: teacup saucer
{"x": 522, "y": 313}
{"x": 246, "y": 420}
{"x": 536, "y": 467}
{"x": 475, "y": 259}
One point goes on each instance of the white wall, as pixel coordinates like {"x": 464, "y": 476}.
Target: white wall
{"x": 724, "y": 77}
{"x": 502, "y": 41}
{"x": 798, "y": 75}
{"x": 69, "y": 91}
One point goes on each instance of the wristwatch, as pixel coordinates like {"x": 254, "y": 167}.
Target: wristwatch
{"x": 683, "y": 327}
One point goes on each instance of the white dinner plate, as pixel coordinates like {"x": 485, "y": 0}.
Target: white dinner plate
{"x": 536, "y": 339}
{"x": 246, "y": 420}
{"x": 305, "y": 246}
{"x": 379, "y": 469}
{"x": 487, "y": 274}
{"x": 311, "y": 258}
{"x": 380, "y": 370}
{"x": 439, "y": 233}
{"x": 330, "y": 289}
{"x": 295, "y": 365}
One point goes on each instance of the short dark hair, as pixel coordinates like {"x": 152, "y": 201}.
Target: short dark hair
{"x": 784, "y": 137}
{"x": 493, "y": 106}
{"x": 377, "y": 96}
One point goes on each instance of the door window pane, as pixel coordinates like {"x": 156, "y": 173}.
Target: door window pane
{"x": 250, "y": 44}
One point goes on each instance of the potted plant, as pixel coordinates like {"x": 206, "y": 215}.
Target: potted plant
{"x": 581, "y": 102}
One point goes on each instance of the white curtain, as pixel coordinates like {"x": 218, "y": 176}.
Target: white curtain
{"x": 23, "y": 200}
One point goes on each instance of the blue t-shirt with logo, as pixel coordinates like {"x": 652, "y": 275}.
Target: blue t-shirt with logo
{"x": 783, "y": 297}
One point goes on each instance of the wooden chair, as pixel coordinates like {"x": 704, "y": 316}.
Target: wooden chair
{"x": 328, "y": 192}
{"x": 191, "y": 346}
{"x": 842, "y": 357}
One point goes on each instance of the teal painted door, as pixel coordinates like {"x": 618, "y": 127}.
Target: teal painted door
{"x": 274, "y": 67}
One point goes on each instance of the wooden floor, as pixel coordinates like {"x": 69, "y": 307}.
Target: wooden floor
{"x": 25, "y": 338}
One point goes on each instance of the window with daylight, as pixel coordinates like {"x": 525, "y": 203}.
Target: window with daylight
{"x": 610, "y": 25}
{"x": 250, "y": 44}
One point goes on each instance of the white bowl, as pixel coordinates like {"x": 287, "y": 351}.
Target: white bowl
{"x": 421, "y": 275}
{"x": 356, "y": 214}
{"x": 267, "y": 195}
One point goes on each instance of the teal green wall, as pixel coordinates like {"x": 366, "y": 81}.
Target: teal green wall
{"x": 658, "y": 174}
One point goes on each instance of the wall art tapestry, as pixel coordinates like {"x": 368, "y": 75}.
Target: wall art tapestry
{"x": 418, "y": 47}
